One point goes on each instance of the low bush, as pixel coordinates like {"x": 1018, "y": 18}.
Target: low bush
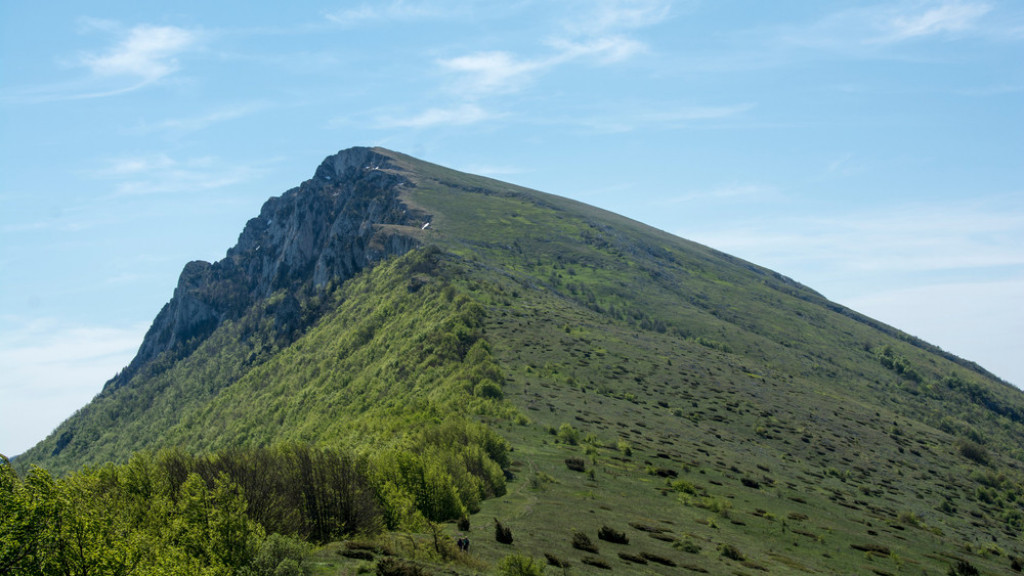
{"x": 731, "y": 552}
{"x": 973, "y": 451}
{"x": 963, "y": 568}
{"x": 575, "y": 464}
{"x": 502, "y": 533}
{"x": 581, "y": 541}
{"x": 612, "y": 535}
{"x": 687, "y": 545}
{"x": 632, "y": 558}
{"x": 658, "y": 559}
{"x": 556, "y": 561}
{"x": 394, "y": 567}
{"x": 519, "y": 565}
{"x": 595, "y": 562}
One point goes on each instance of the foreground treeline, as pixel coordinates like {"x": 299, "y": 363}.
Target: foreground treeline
{"x": 174, "y": 513}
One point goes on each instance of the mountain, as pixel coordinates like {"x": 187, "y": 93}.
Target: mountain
{"x": 667, "y": 406}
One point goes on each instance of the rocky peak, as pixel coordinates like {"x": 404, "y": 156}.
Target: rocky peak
{"x": 328, "y": 228}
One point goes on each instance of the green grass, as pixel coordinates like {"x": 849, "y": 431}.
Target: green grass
{"x": 729, "y": 419}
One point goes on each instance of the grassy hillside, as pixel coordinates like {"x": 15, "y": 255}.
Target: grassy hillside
{"x": 718, "y": 416}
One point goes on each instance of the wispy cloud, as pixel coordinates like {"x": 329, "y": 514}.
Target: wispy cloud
{"x": 144, "y": 55}
{"x": 903, "y": 239}
{"x": 869, "y": 28}
{"x": 63, "y": 367}
{"x": 204, "y": 121}
{"x": 946, "y": 17}
{"x": 734, "y": 191}
{"x": 161, "y": 174}
{"x": 396, "y": 10}
{"x": 672, "y": 118}
{"x": 490, "y": 72}
{"x": 599, "y": 17}
{"x": 460, "y": 115}
{"x": 601, "y": 31}
{"x": 147, "y": 53}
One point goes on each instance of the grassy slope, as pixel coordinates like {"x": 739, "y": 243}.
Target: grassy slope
{"x": 769, "y": 400}
{"x": 789, "y": 438}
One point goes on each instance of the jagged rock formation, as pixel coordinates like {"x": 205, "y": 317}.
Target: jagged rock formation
{"x": 327, "y": 229}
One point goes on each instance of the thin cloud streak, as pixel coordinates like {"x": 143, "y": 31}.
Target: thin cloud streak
{"x": 907, "y": 239}
{"x": 63, "y": 366}
{"x": 161, "y": 174}
{"x": 669, "y": 119}
{"x": 600, "y": 33}
{"x": 145, "y": 55}
{"x": 457, "y": 116}
{"x": 148, "y": 53}
{"x": 947, "y": 17}
{"x": 606, "y": 16}
{"x": 397, "y": 10}
{"x": 202, "y": 122}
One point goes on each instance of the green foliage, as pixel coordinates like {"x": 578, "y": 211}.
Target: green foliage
{"x": 177, "y": 513}
{"x": 519, "y": 565}
{"x": 610, "y": 534}
{"x": 280, "y": 555}
{"x": 731, "y": 552}
{"x": 711, "y": 372}
{"x": 581, "y": 541}
{"x": 502, "y": 533}
{"x": 973, "y": 451}
{"x": 568, "y": 434}
{"x": 109, "y": 521}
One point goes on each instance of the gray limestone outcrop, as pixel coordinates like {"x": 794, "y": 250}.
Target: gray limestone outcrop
{"x": 327, "y": 229}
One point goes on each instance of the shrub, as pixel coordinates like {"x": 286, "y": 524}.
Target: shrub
{"x": 595, "y": 562}
{"x": 609, "y": 534}
{"x": 556, "y": 561}
{"x": 659, "y": 559}
{"x": 963, "y": 568}
{"x": 283, "y": 554}
{"x": 581, "y": 541}
{"x": 632, "y": 558}
{"x": 624, "y": 448}
{"x": 503, "y": 534}
{"x": 463, "y": 523}
{"x": 973, "y": 451}
{"x": 394, "y": 567}
{"x": 687, "y": 545}
{"x": 575, "y": 464}
{"x": 568, "y": 434}
{"x": 486, "y": 388}
{"x": 519, "y": 565}
{"x": 731, "y": 552}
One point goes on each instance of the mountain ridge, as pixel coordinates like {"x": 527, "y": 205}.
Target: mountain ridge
{"x": 658, "y": 366}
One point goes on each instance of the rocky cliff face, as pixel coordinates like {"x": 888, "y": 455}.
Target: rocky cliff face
{"x": 328, "y": 228}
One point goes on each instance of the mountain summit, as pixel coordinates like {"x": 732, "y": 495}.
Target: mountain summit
{"x": 684, "y": 407}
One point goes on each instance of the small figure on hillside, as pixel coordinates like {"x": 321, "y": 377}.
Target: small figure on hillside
{"x": 461, "y": 543}
{"x": 465, "y": 544}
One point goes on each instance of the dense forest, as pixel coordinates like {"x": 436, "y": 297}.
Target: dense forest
{"x": 242, "y": 511}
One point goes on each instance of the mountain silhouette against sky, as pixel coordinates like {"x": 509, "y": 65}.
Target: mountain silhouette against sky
{"x": 666, "y": 405}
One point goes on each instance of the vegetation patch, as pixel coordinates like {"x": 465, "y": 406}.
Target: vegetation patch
{"x": 658, "y": 559}
{"x": 581, "y": 541}
{"x": 595, "y": 562}
{"x": 502, "y": 533}
{"x": 609, "y": 534}
{"x": 634, "y": 558}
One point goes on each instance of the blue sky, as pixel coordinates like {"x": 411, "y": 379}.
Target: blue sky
{"x": 873, "y": 151}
